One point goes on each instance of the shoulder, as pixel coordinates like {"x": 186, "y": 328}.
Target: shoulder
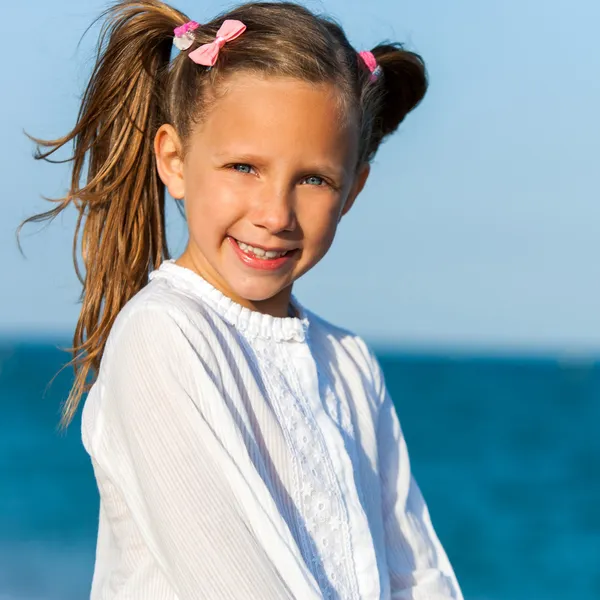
{"x": 348, "y": 348}
{"x": 152, "y": 353}
{"x": 160, "y": 323}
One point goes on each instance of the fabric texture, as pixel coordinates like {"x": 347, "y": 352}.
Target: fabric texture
{"x": 244, "y": 456}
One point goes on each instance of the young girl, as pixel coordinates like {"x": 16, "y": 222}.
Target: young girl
{"x": 244, "y": 448}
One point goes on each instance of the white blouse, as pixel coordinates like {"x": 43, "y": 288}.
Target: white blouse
{"x": 244, "y": 456}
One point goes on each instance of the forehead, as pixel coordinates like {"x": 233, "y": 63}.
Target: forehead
{"x": 279, "y": 115}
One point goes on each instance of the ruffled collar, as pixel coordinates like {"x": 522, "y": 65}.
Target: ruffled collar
{"x": 249, "y": 322}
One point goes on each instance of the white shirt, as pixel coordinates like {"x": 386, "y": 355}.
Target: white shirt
{"x": 244, "y": 456}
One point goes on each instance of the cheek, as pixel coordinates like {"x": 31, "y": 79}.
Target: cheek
{"x": 210, "y": 205}
{"x": 320, "y": 224}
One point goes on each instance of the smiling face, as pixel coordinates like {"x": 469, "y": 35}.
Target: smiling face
{"x": 271, "y": 166}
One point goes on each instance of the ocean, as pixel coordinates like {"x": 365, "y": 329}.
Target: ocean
{"x": 505, "y": 450}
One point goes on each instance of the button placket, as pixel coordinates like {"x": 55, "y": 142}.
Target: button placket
{"x": 327, "y": 520}
{"x": 316, "y": 489}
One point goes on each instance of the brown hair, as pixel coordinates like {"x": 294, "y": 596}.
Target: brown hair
{"x": 135, "y": 87}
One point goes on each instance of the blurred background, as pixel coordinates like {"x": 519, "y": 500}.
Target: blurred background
{"x": 469, "y": 263}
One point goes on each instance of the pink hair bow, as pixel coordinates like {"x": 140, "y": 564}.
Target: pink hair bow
{"x": 207, "y": 54}
{"x": 371, "y": 62}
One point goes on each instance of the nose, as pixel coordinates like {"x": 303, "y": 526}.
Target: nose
{"x": 275, "y": 211}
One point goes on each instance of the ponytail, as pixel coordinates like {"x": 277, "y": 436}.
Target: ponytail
{"x": 400, "y": 90}
{"x": 121, "y": 200}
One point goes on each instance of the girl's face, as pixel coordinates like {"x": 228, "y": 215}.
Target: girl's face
{"x": 271, "y": 166}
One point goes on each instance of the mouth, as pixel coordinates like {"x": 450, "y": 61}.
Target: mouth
{"x": 264, "y": 259}
{"x": 263, "y": 252}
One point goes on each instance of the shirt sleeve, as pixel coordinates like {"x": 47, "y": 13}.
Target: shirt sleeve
{"x": 418, "y": 565}
{"x": 170, "y": 464}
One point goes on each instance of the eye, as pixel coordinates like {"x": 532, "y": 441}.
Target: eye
{"x": 241, "y": 167}
{"x": 315, "y": 180}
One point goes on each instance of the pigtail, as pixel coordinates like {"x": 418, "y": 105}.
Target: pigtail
{"x": 121, "y": 198}
{"x": 398, "y": 91}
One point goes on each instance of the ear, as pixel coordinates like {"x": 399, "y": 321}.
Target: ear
{"x": 359, "y": 183}
{"x": 169, "y": 161}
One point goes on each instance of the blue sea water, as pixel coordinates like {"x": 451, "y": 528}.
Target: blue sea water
{"x": 506, "y": 451}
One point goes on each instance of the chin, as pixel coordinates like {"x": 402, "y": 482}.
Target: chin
{"x": 257, "y": 292}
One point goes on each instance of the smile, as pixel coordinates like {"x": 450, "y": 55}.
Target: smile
{"x": 261, "y": 252}
{"x": 261, "y": 258}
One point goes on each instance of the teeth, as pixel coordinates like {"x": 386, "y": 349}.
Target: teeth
{"x": 259, "y": 251}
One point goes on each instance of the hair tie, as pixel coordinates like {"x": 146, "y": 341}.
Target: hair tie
{"x": 207, "y": 54}
{"x": 371, "y": 62}
{"x": 184, "y": 36}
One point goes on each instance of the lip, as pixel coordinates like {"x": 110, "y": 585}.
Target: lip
{"x": 262, "y": 264}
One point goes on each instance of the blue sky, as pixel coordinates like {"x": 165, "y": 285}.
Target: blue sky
{"x": 478, "y": 228}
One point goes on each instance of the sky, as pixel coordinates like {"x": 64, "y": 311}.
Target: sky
{"x": 478, "y": 227}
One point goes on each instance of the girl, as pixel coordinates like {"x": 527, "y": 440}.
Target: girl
{"x": 243, "y": 447}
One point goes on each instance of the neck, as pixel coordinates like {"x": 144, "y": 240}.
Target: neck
{"x": 278, "y": 305}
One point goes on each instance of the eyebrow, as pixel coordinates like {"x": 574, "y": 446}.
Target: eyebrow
{"x": 241, "y": 157}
